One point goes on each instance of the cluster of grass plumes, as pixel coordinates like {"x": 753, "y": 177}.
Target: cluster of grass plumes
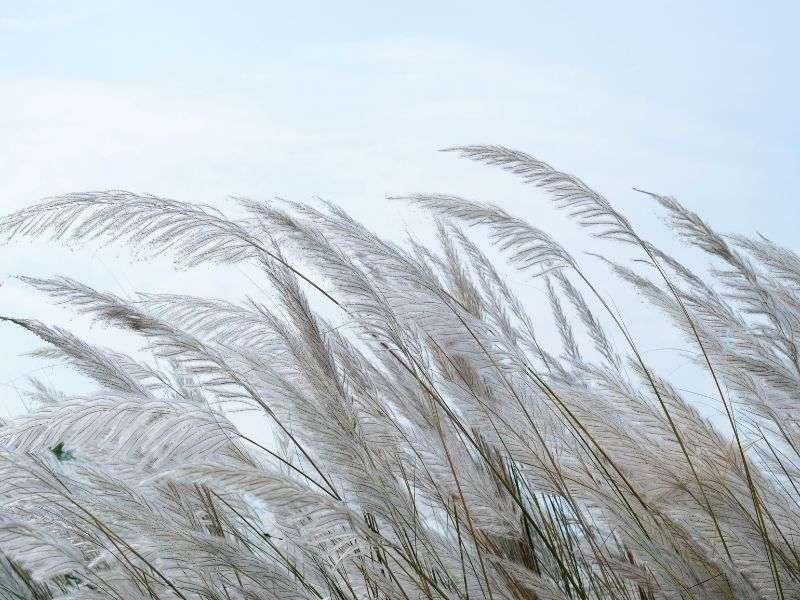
{"x": 433, "y": 447}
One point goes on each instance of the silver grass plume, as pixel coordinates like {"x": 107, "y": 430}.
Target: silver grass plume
{"x": 430, "y": 445}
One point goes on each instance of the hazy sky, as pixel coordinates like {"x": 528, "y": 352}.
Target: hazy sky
{"x": 350, "y": 100}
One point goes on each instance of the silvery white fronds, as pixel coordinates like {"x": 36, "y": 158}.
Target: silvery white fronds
{"x": 435, "y": 446}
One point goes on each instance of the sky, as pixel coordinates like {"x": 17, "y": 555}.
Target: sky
{"x": 350, "y": 101}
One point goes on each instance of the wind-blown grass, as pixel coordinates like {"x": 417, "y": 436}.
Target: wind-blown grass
{"x": 434, "y": 447}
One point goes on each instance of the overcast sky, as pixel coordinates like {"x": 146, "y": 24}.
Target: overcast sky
{"x": 350, "y": 101}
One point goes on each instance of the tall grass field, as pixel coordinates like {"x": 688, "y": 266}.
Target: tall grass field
{"x": 429, "y": 444}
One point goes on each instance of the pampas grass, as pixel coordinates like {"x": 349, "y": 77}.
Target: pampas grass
{"x": 434, "y": 446}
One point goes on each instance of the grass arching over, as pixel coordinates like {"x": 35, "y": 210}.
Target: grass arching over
{"x": 434, "y": 447}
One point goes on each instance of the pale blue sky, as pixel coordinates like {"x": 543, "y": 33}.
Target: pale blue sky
{"x": 690, "y": 98}
{"x": 350, "y": 100}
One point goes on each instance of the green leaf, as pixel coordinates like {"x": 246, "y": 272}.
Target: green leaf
{"x": 60, "y": 453}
